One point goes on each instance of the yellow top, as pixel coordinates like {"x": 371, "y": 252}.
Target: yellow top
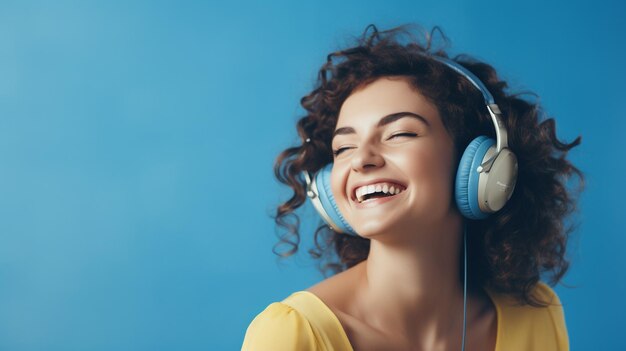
{"x": 303, "y": 322}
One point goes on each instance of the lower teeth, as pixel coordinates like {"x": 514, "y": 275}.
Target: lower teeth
{"x": 377, "y": 197}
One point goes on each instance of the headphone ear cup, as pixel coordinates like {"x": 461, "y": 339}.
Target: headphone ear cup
{"x": 467, "y": 177}
{"x": 325, "y": 194}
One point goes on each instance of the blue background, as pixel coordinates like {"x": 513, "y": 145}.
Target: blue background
{"x": 137, "y": 141}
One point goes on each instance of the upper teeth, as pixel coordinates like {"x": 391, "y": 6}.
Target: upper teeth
{"x": 388, "y": 188}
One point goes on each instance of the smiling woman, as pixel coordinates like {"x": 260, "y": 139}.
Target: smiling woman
{"x": 415, "y": 153}
{"x": 443, "y": 198}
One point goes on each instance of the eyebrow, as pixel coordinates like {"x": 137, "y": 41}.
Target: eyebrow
{"x": 384, "y": 121}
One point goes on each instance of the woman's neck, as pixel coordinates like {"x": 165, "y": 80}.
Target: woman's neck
{"x": 412, "y": 287}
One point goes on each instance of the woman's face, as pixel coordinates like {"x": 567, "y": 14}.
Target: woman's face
{"x": 393, "y": 167}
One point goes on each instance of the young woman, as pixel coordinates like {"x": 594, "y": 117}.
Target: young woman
{"x": 443, "y": 197}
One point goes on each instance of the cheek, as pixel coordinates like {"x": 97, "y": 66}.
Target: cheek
{"x": 433, "y": 174}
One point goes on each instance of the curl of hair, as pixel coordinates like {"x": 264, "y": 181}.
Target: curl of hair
{"x": 511, "y": 249}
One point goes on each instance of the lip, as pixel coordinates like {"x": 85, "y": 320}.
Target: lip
{"x": 374, "y": 181}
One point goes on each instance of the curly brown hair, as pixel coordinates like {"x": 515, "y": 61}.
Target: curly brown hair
{"x": 511, "y": 249}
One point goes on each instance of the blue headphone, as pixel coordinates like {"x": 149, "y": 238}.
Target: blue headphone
{"x": 485, "y": 178}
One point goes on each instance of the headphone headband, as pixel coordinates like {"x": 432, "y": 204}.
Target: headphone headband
{"x": 502, "y": 140}
{"x": 470, "y": 77}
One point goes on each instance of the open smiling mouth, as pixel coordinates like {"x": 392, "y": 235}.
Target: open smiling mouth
{"x": 368, "y": 193}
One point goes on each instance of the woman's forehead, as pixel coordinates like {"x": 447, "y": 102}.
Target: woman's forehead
{"x": 383, "y": 97}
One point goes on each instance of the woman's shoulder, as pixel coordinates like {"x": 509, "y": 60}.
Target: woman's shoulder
{"x": 338, "y": 290}
{"x": 541, "y": 292}
{"x": 279, "y": 327}
{"x": 299, "y": 322}
{"x": 520, "y": 324}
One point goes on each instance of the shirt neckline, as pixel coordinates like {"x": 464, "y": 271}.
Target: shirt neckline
{"x": 344, "y": 336}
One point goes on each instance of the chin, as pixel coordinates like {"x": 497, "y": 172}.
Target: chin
{"x": 374, "y": 229}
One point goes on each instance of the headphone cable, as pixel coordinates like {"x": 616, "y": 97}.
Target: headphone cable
{"x": 464, "y": 285}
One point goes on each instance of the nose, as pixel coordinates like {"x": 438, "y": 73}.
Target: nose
{"x": 366, "y": 158}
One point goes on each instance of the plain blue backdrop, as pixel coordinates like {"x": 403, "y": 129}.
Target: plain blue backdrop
{"x": 137, "y": 140}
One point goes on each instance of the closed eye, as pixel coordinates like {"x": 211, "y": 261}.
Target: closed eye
{"x": 402, "y": 134}
{"x": 338, "y": 151}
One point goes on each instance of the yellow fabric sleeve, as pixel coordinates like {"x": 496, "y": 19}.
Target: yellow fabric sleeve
{"x": 531, "y": 328}
{"x": 557, "y": 317}
{"x": 279, "y": 328}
